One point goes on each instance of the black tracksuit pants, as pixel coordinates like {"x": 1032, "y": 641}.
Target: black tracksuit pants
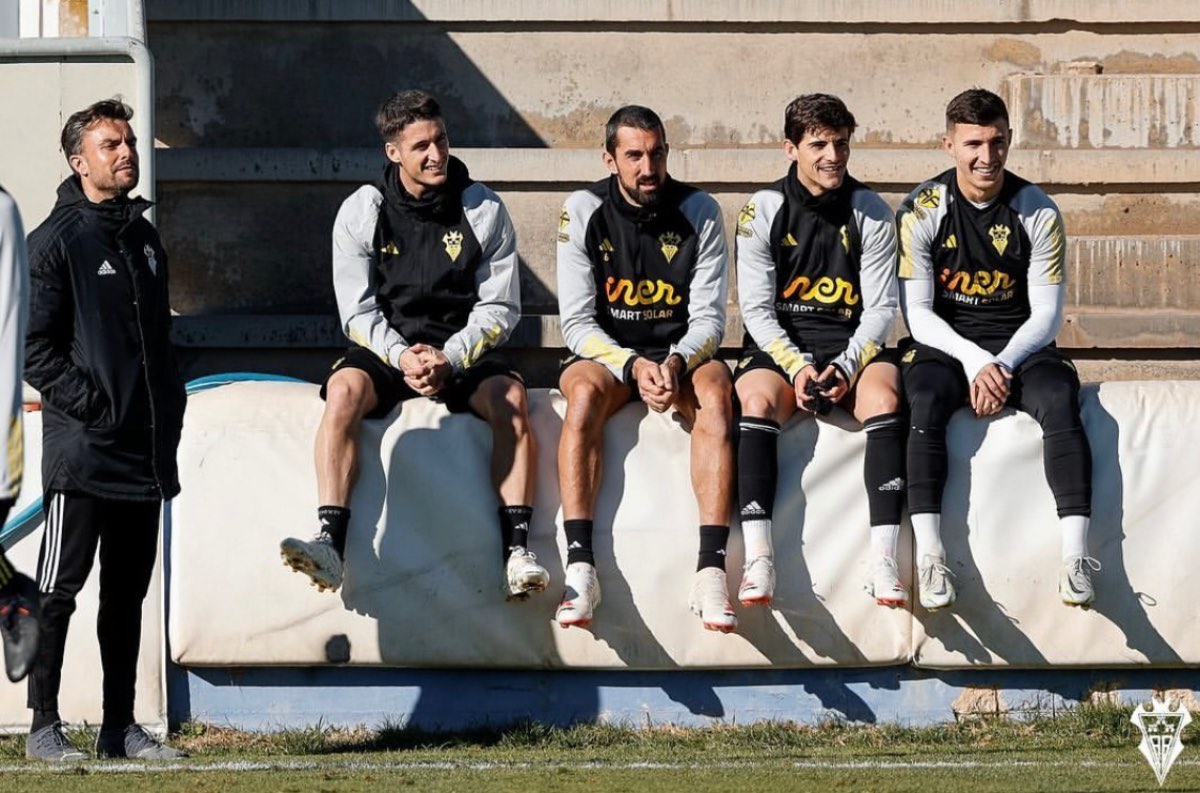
{"x": 127, "y": 535}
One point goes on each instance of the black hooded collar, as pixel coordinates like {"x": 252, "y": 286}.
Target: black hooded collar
{"x": 114, "y": 211}
{"x": 435, "y": 203}
{"x": 670, "y": 195}
{"x": 797, "y": 192}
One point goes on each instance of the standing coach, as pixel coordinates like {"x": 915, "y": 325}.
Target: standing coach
{"x": 98, "y": 350}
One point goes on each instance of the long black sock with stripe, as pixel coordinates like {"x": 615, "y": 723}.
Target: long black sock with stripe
{"x": 883, "y": 469}
{"x": 757, "y": 475}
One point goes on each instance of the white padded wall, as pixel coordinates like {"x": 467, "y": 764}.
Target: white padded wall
{"x": 423, "y": 562}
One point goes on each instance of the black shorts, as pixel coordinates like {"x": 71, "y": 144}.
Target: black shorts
{"x": 658, "y": 356}
{"x": 391, "y": 389}
{"x": 755, "y": 358}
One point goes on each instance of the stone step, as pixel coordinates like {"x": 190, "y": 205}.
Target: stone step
{"x": 1084, "y": 327}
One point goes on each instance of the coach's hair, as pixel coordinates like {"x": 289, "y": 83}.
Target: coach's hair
{"x": 814, "y": 112}
{"x": 106, "y": 109}
{"x": 976, "y": 106}
{"x": 634, "y": 116}
{"x": 403, "y": 109}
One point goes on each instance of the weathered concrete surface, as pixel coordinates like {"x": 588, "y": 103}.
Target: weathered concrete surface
{"x": 316, "y": 84}
{"x": 1093, "y": 111}
{"x": 823, "y": 12}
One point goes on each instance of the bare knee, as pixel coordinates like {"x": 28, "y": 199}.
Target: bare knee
{"x": 587, "y": 403}
{"x": 715, "y": 415}
{"x": 757, "y": 405}
{"x": 349, "y": 395}
{"x": 507, "y": 406}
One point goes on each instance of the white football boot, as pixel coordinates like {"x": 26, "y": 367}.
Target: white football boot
{"x": 580, "y": 596}
{"x": 758, "y": 582}
{"x": 1075, "y": 581}
{"x": 710, "y": 600}
{"x": 523, "y": 575}
{"x": 884, "y": 584}
{"x": 316, "y": 558}
{"x": 933, "y": 583}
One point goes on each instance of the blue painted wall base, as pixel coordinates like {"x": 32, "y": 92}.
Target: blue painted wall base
{"x": 265, "y": 699}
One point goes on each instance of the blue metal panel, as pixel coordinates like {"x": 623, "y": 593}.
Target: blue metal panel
{"x": 273, "y": 698}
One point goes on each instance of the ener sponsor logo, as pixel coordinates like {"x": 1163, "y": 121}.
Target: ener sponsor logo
{"x": 640, "y": 293}
{"x": 824, "y": 290}
{"x": 985, "y": 283}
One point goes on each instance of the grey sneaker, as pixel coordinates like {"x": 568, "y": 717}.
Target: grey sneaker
{"x": 135, "y": 743}
{"x": 316, "y": 558}
{"x": 51, "y": 744}
{"x": 1075, "y": 581}
{"x": 933, "y": 577}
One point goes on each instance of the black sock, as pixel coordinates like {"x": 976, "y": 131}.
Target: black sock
{"x": 883, "y": 469}
{"x": 514, "y": 528}
{"x": 44, "y": 718}
{"x": 579, "y": 541}
{"x": 757, "y": 467}
{"x": 117, "y": 722}
{"x": 712, "y": 547}
{"x": 335, "y": 521}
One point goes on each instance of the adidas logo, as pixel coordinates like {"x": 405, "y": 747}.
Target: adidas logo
{"x": 895, "y": 484}
{"x": 575, "y": 546}
{"x": 106, "y": 269}
{"x": 753, "y": 508}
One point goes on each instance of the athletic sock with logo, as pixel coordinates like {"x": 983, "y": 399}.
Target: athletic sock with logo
{"x": 579, "y": 541}
{"x": 713, "y": 540}
{"x": 514, "y": 528}
{"x": 883, "y": 468}
{"x": 335, "y": 521}
{"x": 757, "y": 473}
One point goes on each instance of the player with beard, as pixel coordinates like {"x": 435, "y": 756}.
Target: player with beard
{"x": 642, "y": 276}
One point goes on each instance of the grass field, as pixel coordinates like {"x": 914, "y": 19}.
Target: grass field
{"x": 1086, "y": 750}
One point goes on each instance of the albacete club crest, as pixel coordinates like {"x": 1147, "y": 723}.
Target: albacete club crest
{"x": 1161, "y": 723}
{"x": 453, "y": 242}
{"x": 669, "y": 243}
{"x": 999, "y": 235}
{"x": 151, "y": 261}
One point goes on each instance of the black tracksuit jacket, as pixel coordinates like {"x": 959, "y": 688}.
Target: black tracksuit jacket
{"x": 99, "y": 350}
